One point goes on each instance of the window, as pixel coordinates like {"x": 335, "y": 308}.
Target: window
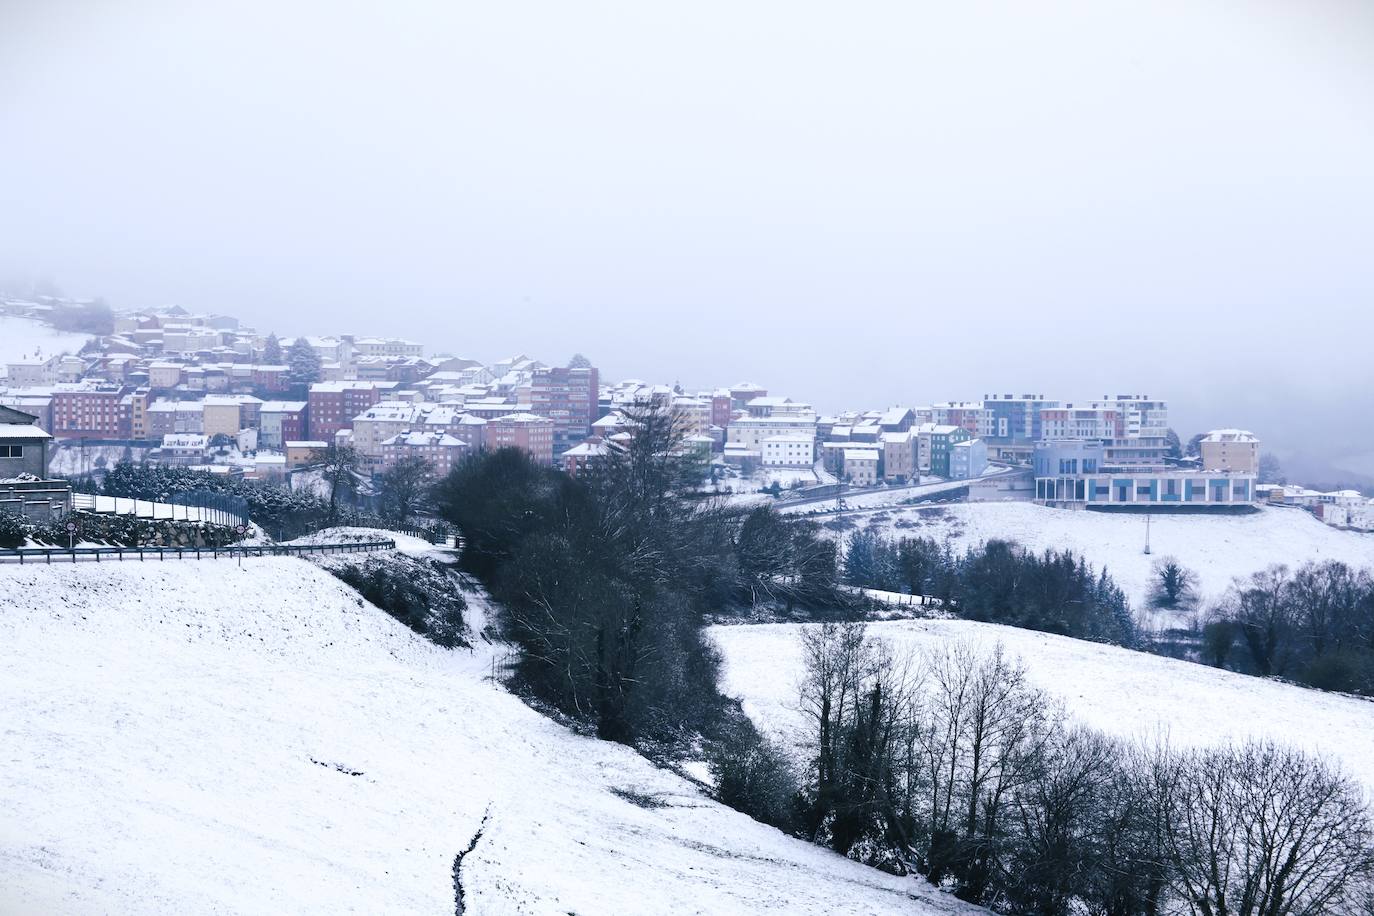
{"x": 11, "y": 451}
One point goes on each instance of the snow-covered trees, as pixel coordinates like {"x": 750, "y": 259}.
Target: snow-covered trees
{"x": 303, "y": 363}
{"x": 12, "y": 531}
{"x": 271, "y": 351}
{"x": 997, "y": 582}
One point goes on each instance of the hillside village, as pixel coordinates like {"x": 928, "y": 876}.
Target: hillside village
{"x": 172, "y": 387}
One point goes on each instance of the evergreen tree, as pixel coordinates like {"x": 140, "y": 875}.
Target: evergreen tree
{"x": 303, "y": 363}
{"x": 271, "y": 351}
{"x": 579, "y": 361}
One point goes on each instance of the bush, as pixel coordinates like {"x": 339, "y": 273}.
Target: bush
{"x": 422, "y": 594}
{"x": 12, "y": 531}
{"x": 755, "y": 778}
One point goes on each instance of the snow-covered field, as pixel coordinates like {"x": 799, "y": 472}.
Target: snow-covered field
{"x": 1216, "y": 547}
{"x": 204, "y": 737}
{"x": 1121, "y": 692}
{"x": 22, "y": 338}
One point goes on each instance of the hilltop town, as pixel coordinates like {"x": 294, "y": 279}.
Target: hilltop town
{"x": 169, "y": 386}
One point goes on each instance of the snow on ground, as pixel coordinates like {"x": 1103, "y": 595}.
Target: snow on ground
{"x": 1121, "y": 692}
{"x": 1216, "y": 547}
{"x": 204, "y": 737}
{"x": 68, "y": 459}
{"x": 24, "y": 338}
{"x": 405, "y": 543}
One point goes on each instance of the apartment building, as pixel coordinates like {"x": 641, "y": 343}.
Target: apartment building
{"x": 280, "y": 422}
{"x": 442, "y": 451}
{"x": 381, "y": 423}
{"x": 387, "y": 346}
{"x": 86, "y": 413}
{"x": 788, "y": 451}
{"x": 862, "y": 466}
{"x": 133, "y": 414}
{"x": 530, "y": 433}
{"x": 333, "y": 405}
{"x": 967, "y": 459}
{"x": 569, "y": 398}
{"x": 899, "y": 455}
{"x": 750, "y": 432}
{"x": 1230, "y": 450}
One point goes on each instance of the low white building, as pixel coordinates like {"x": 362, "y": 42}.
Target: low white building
{"x": 751, "y": 431}
{"x": 789, "y": 452}
{"x": 186, "y": 446}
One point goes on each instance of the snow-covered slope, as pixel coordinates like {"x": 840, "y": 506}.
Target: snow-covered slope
{"x": 24, "y": 338}
{"x": 1124, "y": 693}
{"x": 1216, "y": 547}
{"x": 200, "y": 737}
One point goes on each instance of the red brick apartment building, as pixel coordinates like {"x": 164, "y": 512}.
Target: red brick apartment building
{"x": 568, "y": 397}
{"x": 333, "y": 405}
{"x": 87, "y": 414}
{"x": 527, "y": 432}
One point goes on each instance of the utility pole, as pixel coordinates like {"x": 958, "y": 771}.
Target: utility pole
{"x": 1147, "y": 532}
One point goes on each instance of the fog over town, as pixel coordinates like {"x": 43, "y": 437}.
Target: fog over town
{"x": 880, "y": 204}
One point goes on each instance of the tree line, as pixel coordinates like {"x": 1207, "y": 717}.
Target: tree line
{"x": 953, "y": 766}
{"x": 997, "y": 582}
{"x": 1313, "y": 624}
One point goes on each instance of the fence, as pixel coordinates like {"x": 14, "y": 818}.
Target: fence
{"x": 94, "y": 554}
{"x": 198, "y": 506}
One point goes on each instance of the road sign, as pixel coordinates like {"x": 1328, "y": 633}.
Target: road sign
{"x": 71, "y": 527}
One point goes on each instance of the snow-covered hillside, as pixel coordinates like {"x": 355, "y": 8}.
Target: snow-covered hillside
{"x": 1125, "y": 693}
{"x": 1216, "y": 547}
{"x": 204, "y": 737}
{"x": 23, "y": 338}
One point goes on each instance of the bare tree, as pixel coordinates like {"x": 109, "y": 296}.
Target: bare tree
{"x": 401, "y": 488}
{"x": 1260, "y": 830}
{"x": 340, "y": 466}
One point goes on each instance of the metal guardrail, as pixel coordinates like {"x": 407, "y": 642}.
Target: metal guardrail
{"x": 46, "y": 554}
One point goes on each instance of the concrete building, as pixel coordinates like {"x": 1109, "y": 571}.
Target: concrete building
{"x": 933, "y": 444}
{"x": 281, "y": 421}
{"x": 305, "y": 451}
{"x": 379, "y": 423}
{"x": 32, "y": 370}
{"x": 225, "y": 415}
{"x": 165, "y": 374}
{"x": 387, "y": 346}
{"x": 750, "y": 432}
{"x": 23, "y": 446}
{"x": 788, "y": 452}
{"x": 530, "y": 433}
{"x": 967, "y": 459}
{"x": 1230, "y": 450}
{"x": 899, "y": 455}
{"x": 166, "y": 417}
{"x": 861, "y": 466}
{"x": 1011, "y": 424}
{"x": 1076, "y": 472}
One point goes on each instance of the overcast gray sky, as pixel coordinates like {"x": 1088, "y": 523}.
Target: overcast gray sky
{"x": 854, "y": 203}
